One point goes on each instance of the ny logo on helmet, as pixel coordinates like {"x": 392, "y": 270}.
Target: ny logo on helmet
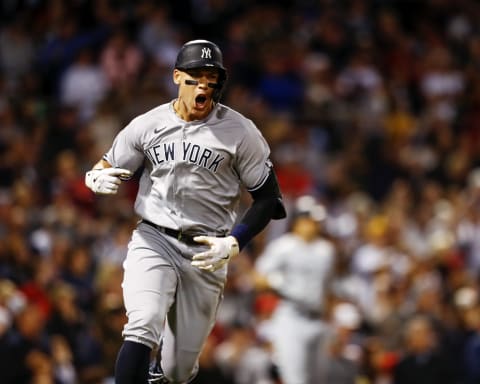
{"x": 206, "y": 53}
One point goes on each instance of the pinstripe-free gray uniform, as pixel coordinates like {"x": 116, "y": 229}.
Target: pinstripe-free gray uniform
{"x": 192, "y": 175}
{"x": 300, "y": 272}
{"x": 193, "y": 170}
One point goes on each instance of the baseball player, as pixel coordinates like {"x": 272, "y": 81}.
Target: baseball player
{"x": 298, "y": 266}
{"x": 195, "y": 153}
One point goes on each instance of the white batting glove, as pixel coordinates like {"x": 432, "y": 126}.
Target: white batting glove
{"x": 106, "y": 181}
{"x": 222, "y": 249}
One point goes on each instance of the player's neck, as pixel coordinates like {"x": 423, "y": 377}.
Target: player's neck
{"x": 189, "y": 115}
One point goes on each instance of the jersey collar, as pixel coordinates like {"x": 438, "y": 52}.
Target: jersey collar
{"x": 179, "y": 119}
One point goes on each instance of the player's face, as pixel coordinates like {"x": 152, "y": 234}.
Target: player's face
{"x": 306, "y": 227}
{"x": 195, "y": 99}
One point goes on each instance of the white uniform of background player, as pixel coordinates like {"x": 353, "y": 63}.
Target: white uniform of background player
{"x": 298, "y": 266}
{"x": 195, "y": 154}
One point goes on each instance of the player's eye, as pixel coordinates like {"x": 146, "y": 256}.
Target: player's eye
{"x": 212, "y": 76}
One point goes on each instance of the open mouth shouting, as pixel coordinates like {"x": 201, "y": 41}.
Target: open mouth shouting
{"x": 201, "y": 102}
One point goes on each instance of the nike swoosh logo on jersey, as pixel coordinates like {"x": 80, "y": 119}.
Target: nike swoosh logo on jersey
{"x": 159, "y": 130}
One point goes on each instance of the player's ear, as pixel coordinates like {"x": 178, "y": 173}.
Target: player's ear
{"x": 177, "y": 76}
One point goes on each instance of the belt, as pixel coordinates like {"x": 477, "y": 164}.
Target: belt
{"x": 306, "y": 311}
{"x": 179, "y": 235}
{"x": 311, "y": 313}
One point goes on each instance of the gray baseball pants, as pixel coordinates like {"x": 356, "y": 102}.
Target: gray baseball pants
{"x": 168, "y": 299}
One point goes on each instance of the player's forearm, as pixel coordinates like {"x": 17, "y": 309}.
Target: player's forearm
{"x": 102, "y": 164}
{"x": 267, "y": 205}
{"x": 254, "y": 221}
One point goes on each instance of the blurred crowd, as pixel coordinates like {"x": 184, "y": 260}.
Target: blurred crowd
{"x": 370, "y": 106}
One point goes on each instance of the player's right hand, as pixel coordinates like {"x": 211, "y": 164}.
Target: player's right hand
{"x": 106, "y": 181}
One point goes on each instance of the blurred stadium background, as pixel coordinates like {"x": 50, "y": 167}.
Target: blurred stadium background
{"x": 370, "y": 106}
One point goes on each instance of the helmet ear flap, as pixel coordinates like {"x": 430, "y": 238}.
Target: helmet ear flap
{"x": 222, "y": 79}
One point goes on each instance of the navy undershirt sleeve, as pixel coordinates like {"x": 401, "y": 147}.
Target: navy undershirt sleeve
{"x": 267, "y": 205}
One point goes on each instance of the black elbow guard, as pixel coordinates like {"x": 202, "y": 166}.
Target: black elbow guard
{"x": 271, "y": 191}
{"x": 280, "y": 211}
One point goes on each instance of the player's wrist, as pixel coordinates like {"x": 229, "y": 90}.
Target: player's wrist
{"x": 242, "y": 234}
{"x": 233, "y": 245}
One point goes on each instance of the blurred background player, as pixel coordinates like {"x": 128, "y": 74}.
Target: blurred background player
{"x": 298, "y": 266}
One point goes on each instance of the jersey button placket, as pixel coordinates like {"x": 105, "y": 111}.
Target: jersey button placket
{"x": 178, "y": 195}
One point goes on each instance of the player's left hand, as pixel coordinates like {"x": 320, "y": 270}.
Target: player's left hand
{"x": 222, "y": 249}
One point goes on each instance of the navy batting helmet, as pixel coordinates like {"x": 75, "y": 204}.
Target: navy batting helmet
{"x": 202, "y": 54}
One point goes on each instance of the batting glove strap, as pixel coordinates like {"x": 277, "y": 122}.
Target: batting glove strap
{"x": 106, "y": 180}
{"x": 222, "y": 249}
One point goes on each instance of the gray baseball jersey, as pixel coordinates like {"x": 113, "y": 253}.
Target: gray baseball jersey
{"x": 300, "y": 272}
{"x": 193, "y": 170}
